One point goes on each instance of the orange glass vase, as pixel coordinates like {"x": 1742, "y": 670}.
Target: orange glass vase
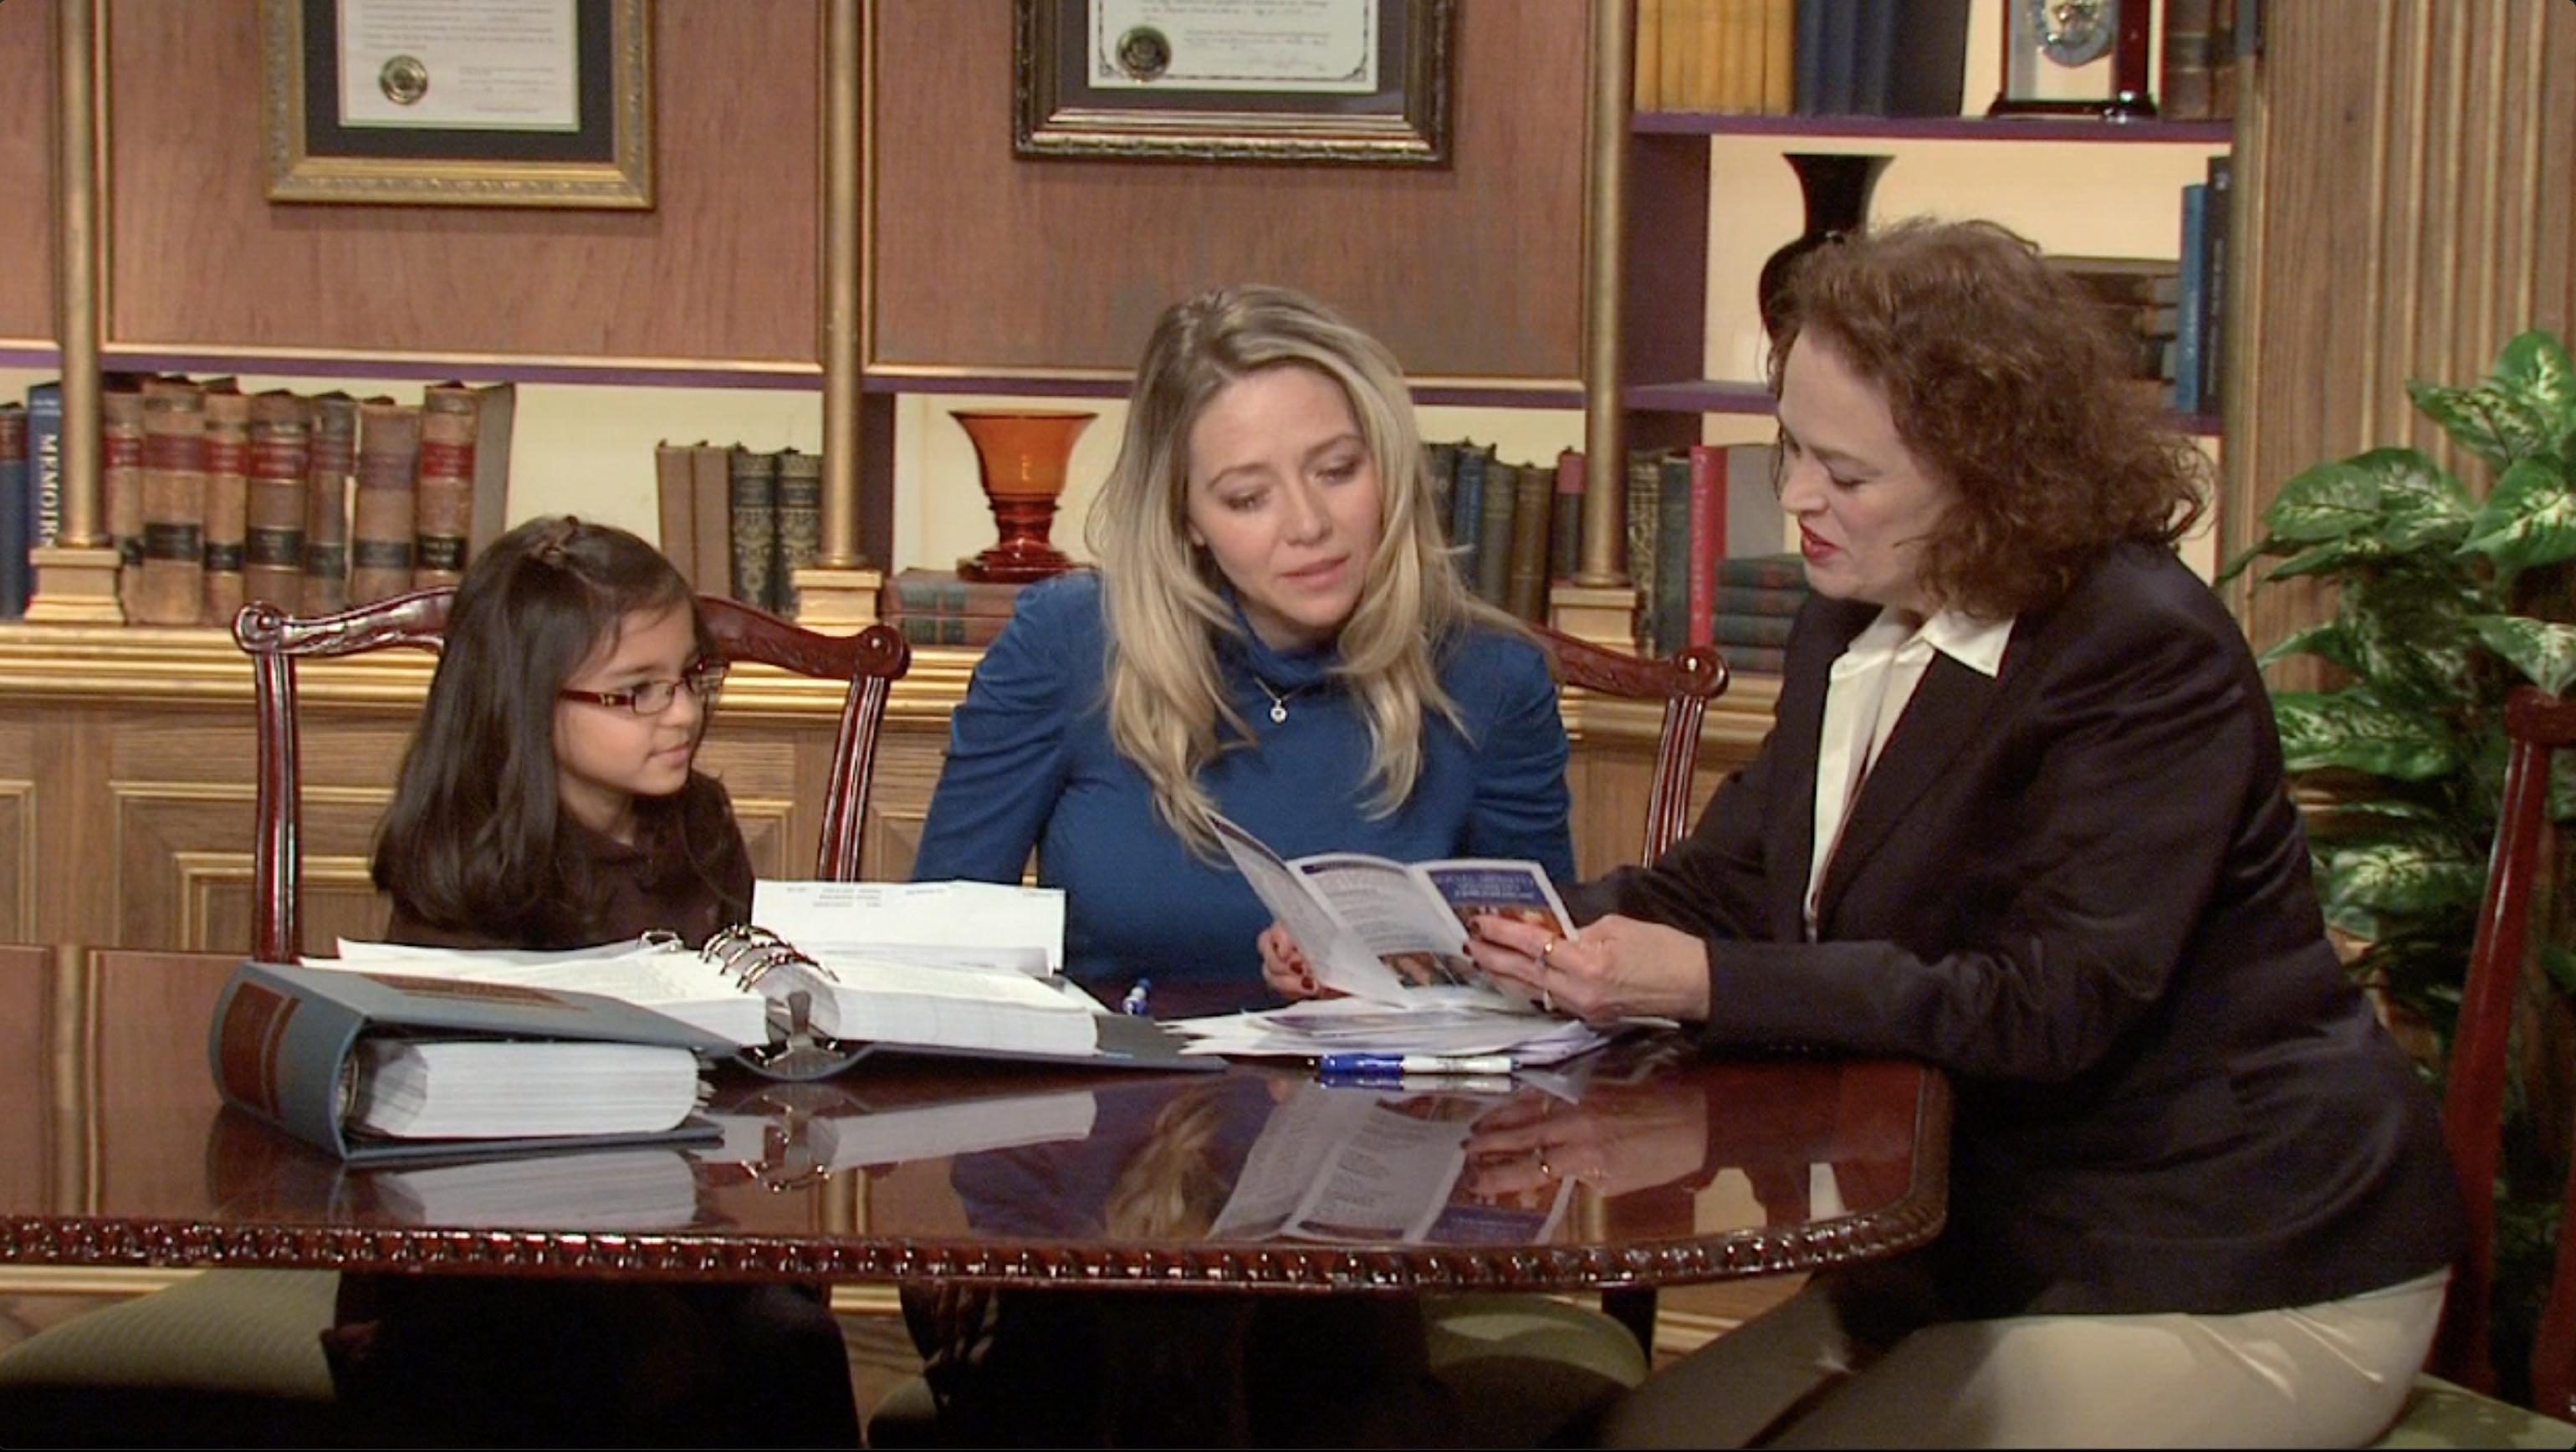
{"x": 1022, "y": 457}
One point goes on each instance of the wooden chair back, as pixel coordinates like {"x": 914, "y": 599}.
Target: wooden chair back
{"x": 2473, "y": 1095}
{"x": 871, "y": 661}
{"x": 1685, "y": 682}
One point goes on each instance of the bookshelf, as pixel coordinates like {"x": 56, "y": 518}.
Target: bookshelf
{"x": 1700, "y": 199}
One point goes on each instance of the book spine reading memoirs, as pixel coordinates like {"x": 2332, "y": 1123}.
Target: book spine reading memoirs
{"x": 332, "y": 439}
{"x": 227, "y": 499}
{"x": 273, "y": 529}
{"x": 381, "y": 557}
{"x": 172, "y": 587}
{"x": 443, "y": 502}
{"x": 44, "y": 465}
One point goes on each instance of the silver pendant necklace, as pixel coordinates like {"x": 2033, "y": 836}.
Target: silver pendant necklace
{"x": 1278, "y": 700}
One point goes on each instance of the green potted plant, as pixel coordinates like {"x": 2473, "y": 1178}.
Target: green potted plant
{"x": 2444, "y": 601}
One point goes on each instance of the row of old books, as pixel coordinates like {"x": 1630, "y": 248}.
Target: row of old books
{"x": 2143, "y": 295}
{"x": 740, "y": 521}
{"x": 1802, "y": 57}
{"x": 2198, "y": 72}
{"x": 1695, "y": 517}
{"x": 214, "y": 497}
{"x": 1515, "y": 527}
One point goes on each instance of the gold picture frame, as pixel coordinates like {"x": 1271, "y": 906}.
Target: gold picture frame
{"x": 598, "y": 152}
{"x": 1368, "y": 83}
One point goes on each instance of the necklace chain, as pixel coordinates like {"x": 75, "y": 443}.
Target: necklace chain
{"x": 1278, "y": 700}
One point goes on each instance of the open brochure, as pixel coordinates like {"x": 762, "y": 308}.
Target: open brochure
{"x": 1395, "y": 932}
{"x": 1348, "y": 1165}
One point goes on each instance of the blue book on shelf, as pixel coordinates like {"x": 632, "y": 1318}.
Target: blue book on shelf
{"x": 45, "y": 464}
{"x": 2191, "y": 309}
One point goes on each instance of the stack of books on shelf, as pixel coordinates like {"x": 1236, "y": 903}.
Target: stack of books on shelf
{"x": 1802, "y": 57}
{"x": 212, "y": 497}
{"x": 936, "y": 607}
{"x": 2144, "y": 295}
{"x": 1693, "y": 516}
{"x": 740, "y": 521}
{"x": 1514, "y": 527}
{"x": 2199, "y": 62}
{"x": 1756, "y": 598}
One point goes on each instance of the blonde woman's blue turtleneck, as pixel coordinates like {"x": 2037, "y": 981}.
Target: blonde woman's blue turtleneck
{"x": 1031, "y": 767}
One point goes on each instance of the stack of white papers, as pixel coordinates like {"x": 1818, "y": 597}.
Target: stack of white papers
{"x": 1420, "y": 1026}
{"x": 507, "y": 1088}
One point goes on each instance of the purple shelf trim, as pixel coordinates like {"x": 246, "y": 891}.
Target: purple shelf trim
{"x": 1936, "y": 128}
{"x": 432, "y": 369}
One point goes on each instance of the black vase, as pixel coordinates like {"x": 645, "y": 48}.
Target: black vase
{"x": 1836, "y": 186}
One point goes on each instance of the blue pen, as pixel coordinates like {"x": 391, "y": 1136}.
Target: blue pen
{"x": 1398, "y": 1065}
{"x": 1134, "y": 1004}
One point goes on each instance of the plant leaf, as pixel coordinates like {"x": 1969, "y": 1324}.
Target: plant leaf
{"x": 2422, "y": 874}
{"x": 2353, "y": 729}
{"x": 2543, "y": 651}
{"x": 2369, "y": 496}
{"x": 2529, "y": 517}
{"x": 2526, "y": 406}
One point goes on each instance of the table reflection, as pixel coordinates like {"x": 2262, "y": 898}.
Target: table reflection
{"x": 1644, "y": 1164}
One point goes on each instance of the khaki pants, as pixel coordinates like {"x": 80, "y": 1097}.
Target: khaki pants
{"x": 1805, "y": 1375}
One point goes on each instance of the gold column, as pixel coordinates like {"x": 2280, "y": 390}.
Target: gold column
{"x": 839, "y": 591}
{"x": 1599, "y": 605}
{"x": 76, "y": 578}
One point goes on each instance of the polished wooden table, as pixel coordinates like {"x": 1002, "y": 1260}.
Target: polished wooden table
{"x": 1646, "y": 1165}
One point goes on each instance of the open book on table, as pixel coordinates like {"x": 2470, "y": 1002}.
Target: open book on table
{"x": 1396, "y": 932}
{"x": 794, "y": 1009}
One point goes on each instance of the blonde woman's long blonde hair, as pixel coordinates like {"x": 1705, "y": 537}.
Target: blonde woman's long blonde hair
{"x": 1166, "y": 602}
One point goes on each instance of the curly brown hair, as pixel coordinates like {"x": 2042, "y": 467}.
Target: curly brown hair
{"x": 2007, "y": 379}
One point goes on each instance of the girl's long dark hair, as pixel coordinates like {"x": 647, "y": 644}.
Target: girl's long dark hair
{"x": 476, "y": 842}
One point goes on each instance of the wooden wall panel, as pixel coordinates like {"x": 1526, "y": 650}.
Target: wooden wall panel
{"x": 726, "y": 267}
{"x": 2413, "y": 208}
{"x": 27, "y": 171}
{"x": 984, "y": 261}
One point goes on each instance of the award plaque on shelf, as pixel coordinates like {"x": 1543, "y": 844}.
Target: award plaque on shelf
{"x": 2076, "y": 58}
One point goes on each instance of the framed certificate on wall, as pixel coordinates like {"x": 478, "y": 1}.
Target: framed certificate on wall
{"x": 543, "y": 103}
{"x": 1316, "y": 81}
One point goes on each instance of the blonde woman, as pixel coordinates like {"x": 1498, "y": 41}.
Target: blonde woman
{"x": 1276, "y": 632}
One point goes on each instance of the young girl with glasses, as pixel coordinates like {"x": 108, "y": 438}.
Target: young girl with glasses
{"x": 551, "y": 800}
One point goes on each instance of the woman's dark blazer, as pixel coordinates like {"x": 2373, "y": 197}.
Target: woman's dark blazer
{"x": 2082, "y": 888}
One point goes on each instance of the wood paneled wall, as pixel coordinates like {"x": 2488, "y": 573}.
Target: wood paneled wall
{"x": 725, "y": 268}
{"x": 27, "y": 106}
{"x": 2412, "y": 208}
{"x": 984, "y": 261}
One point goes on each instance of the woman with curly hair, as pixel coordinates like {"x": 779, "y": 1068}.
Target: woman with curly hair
{"x": 2022, "y": 815}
